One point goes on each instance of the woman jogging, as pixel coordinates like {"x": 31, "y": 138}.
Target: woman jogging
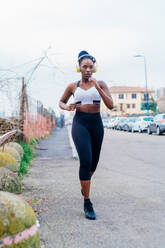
{"x": 87, "y": 127}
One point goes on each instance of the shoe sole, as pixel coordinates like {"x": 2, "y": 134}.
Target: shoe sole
{"x": 90, "y": 218}
{"x": 87, "y": 217}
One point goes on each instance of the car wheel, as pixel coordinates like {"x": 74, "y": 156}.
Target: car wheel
{"x": 149, "y": 131}
{"x": 158, "y": 131}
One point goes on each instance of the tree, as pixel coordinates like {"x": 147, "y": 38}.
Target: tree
{"x": 153, "y": 105}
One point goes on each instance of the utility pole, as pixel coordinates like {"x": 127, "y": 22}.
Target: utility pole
{"x": 146, "y": 98}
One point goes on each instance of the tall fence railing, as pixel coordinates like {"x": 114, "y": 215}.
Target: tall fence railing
{"x": 39, "y": 122}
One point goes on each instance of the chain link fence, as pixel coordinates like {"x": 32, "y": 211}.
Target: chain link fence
{"x": 20, "y": 111}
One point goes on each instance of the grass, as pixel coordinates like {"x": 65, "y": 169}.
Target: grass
{"x": 29, "y": 154}
{"x": 34, "y": 200}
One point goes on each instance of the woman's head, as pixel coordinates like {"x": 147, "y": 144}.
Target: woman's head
{"x": 85, "y": 55}
{"x": 86, "y": 64}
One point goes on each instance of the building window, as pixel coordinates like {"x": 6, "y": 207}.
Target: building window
{"x": 128, "y": 106}
{"x": 134, "y": 96}
{"x": 133, "y": 105}
{"x": 121, "y": 107}
{"x": 121, "y": 96}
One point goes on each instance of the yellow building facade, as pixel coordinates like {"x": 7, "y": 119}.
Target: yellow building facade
{"x": 127, "y": 101}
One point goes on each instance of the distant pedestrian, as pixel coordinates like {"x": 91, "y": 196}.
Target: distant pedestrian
{"x": 87, "y": 127}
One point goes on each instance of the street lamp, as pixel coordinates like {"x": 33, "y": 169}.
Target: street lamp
{"x": 145, "y": 72}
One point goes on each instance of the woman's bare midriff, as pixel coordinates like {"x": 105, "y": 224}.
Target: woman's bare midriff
{"x": 89, "y": 108}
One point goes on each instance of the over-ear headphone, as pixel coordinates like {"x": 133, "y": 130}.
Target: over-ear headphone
{"x": 95, "y": 67}
{"x": 86, "y": 54}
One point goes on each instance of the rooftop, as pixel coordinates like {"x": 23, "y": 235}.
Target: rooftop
{"x": 126, "y": 89}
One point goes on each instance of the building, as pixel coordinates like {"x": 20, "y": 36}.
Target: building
{"x": 161, "y": 104}
{"x": 128, "y": 100}
{"x": 160, "y": 92}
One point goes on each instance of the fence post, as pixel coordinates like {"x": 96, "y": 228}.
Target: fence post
{"x": 22, "y": 110}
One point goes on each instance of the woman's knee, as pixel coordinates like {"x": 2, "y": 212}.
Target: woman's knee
{"x": 85, "y": 173}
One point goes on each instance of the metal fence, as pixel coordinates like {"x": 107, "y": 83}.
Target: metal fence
{"x": 19, "y": 110}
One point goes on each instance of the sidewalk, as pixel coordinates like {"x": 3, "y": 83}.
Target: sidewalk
{"x": 53, "y": 190}
{"x": 57, "y": 147}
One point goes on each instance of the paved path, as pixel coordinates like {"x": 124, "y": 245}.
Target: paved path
{"x": 128, "y": 193}
{"x": 57, "y": 147}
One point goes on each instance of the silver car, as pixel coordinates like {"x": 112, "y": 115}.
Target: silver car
{"x": 158, "y": 125}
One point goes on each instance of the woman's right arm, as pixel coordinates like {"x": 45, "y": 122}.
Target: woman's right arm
{"x": 65, "y": 97}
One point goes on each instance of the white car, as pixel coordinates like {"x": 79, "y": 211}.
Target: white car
{"x": 142, "y": 124}
{"x": 106, "y": 123}
{"x": 111, "y": 123}
{"x": 116, "y": 122}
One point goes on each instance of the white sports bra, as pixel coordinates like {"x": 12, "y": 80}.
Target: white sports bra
{"x": 90, "y": 96}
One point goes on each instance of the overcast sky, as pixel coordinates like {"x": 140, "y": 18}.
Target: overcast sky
{"x": 112, "y": 31}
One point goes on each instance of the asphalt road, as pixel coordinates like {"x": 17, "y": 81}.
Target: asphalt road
{"x": 131, "y": 183}
{"x": 128, "y": 193}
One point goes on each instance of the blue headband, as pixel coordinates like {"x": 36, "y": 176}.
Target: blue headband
{"x": 85, "y": 54}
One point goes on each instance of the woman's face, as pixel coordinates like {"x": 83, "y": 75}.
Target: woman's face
{"x": 86, "y": 68}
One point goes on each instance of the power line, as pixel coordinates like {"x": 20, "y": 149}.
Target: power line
{"x": 29, "y": 74}
{"x": 29, "y": 62}
{"x": 34, "y": 69}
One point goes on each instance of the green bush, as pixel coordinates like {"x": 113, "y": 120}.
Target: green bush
{"x": 33, "y": 142}
{"x": 29, "y": 154}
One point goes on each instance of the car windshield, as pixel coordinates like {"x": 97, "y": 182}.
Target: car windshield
{"x": 148, "y": 119}
{"x": 122, "y": 120}
{"x": 133, "y": 120}
{"x": 163, "y": 117}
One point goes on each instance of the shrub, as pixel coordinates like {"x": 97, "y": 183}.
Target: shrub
{"x": 29, "y": 154}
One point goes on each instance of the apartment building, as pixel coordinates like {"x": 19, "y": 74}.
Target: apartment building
{"x": 160, "y": 92}
{"x": 128, "y": 100}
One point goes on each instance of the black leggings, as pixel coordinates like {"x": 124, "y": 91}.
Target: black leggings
{"x": 87, "y": 133}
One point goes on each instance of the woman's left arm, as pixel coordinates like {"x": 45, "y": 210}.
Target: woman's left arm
{"x": 103, "y": 91}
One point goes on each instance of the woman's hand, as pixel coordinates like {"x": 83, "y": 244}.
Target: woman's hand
{"x": 71, "y": 106}
{"x": 94, "y": 82}
{"x": 65, "y": 97}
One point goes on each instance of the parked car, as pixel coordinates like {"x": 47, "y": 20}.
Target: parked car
{"x": 128, "y": 125}
{"x": 68, "y": 122}
{"x": 158, "y": 125}
{"x": 111, "y": 122}
{"x": 106, "y": 123}
{"x": 115, "y": 122}
{"x": 142, "y": 124}
{"x": 121, "y": 123}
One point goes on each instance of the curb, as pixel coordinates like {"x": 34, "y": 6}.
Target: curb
{"x": 74, "y": 152}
